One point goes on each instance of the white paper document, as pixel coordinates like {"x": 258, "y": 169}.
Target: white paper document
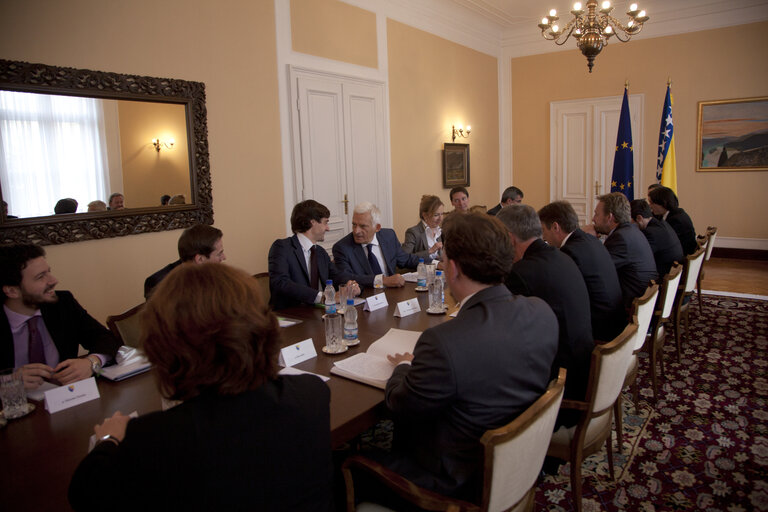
{"x": 289, "y": 370}
{"x": 372, "y": 367}
{"x": 130, "y": 361}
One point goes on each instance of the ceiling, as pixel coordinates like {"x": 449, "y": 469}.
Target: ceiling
{"x": 509, "y": 27}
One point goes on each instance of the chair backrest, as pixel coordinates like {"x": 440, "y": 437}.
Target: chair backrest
{"x": 669, "y": 289}
{"x": 125, "y": 326}
{"x": 609, "y": 369}
{"x": 515, "y": 452}
{"x": 262, "y": 278}
{"x": 642, "y": 312}
{"x": 711, "y": 235}
{"x": 692, "y": 268}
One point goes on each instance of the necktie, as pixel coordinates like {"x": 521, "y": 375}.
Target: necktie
{"x": 373, "y": 261}
{"x": 36, "y": 351}
{"x": 314, "y": 273}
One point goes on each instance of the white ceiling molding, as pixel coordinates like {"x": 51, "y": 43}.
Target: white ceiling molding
{"x": 509, "y": 27}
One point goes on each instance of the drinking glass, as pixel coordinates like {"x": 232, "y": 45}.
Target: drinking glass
{"x": 12, "y": 393}
{"x": 343, "y": 296}
{"x": 333, "y": 334}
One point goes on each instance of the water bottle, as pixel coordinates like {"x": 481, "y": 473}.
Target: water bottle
{"x": 421, "y": 274}
{"x": 350, "y": 323}
{"x": 439, "y": 276}
{"x": 330, "y": 298}
{"x": 436, "y": 296}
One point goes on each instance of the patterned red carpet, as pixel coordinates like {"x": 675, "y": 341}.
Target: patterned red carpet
{"x": 704, "y": 445}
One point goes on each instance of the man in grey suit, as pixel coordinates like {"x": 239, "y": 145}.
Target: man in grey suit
{"x": 629, "y": 249}
{"x": 474, "y": 373}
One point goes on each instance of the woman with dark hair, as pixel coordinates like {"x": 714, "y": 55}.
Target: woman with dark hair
{"x": 423, "y": 239}
{"x": 664, "y": 204}
{"x": 243, "y": 437}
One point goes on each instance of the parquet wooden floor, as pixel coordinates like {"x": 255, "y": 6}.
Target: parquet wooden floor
{"x": 735, "y": 275}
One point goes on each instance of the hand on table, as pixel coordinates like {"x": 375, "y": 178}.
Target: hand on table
{"x": 399, "y": 358}
{"x": 72, "y": 370}
{"x": 114, "y": 426}
{"x": 393, "y": 281}
{"x": 354, "y": 288}
{"x": 34, "y": 374}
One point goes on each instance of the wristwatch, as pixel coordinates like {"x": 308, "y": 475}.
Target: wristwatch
{"x": 109, "y": 437}
{"x": 95, "y": 364}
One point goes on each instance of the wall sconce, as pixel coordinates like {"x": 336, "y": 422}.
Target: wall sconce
{"x": 168, "y": 144}
{"x": 460, "y": 132}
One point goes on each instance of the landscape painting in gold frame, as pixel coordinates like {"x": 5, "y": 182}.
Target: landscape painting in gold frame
{"x": 733, "y": 135}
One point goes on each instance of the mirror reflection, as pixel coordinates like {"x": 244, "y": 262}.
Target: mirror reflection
{"x": 59, "y": 153}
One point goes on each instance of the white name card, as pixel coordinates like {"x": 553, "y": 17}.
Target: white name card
{"x": 407, "y": 307}
{"x": 375, "y": 302}
{"x": 298, "y": 352}
{"x": 69, "y": 395}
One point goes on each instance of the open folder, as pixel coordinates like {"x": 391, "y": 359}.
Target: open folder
{"x": 372, "y": 367}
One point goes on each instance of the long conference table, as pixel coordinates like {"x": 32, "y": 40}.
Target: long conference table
{"x": 39, "y": 452}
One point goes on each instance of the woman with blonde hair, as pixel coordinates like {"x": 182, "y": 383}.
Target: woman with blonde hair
{"x": 424, "y": 239}
{"x": 243, "y": 437}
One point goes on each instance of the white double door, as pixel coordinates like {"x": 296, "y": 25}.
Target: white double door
{"x": 582, "y": 146}
{"x": 339, "y": 145}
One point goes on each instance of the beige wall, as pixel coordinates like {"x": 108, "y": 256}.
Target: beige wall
{"x": 711, "y": 65}
{"x": 334, "y": 30}
{"x": 433, "y": 84}
{"x": 148, "y": 173}
{"x": 228, "y": 45}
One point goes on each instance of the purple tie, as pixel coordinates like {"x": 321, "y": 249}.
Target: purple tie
{"x": 36, "y": 351}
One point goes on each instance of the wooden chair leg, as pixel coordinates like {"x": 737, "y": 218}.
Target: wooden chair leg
{"x": 609, "y": 449}
{"x": 635, "y": 391}
{"x": 576, "y": 477}
{"x": 619, "y": 424}
{"x": 698, "y": 292}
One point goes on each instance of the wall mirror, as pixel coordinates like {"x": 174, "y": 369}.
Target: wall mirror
{"x": 79, "y": 134}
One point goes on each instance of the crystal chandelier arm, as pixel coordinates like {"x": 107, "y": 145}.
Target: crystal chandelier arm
{"x": 622, "y": 32}
{"x": 563, "y": 35}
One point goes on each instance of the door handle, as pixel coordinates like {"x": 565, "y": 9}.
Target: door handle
{"x": 346, "y": 205}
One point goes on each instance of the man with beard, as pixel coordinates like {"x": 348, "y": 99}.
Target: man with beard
{"x": 40, "y": 329}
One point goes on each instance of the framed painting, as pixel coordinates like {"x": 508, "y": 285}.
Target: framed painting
{"x": 455, "y": 165}
{"x": 733, "y": 135}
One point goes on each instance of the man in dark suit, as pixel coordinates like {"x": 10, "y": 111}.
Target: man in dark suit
{"x": 198, "y": 244}
{"x": 511, "y": 195}
{"x": 627, "y": 246}
{"x": 474, "y": 373}
{"x": 664, "y": 204}
{"x": 371, "y": 255}
{"x": 540, "y": 270}
{"x": 298, "y": 267}
{"x": 40, "y": 328}
{"x": 560, "y": 228}
{"x": 660, "y": 235}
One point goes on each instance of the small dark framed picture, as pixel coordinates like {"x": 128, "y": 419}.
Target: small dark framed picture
{"x": 455, "y": 165}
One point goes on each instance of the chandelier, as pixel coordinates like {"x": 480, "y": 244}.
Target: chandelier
{"x": 592, "y": 27}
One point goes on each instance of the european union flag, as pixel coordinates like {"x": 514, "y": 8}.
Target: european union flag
{"x": 623, "y": 177}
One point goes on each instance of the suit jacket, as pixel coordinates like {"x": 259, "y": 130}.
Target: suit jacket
{"x": 474, "y": 373}
{"x": 683, "y": 226}
{"x": 69, "y": 326}
{"x": 550, "y": 275}
{"x": 154, "y": 279}
{"x": 664, "y": 244}
{"x": 267, "y": 449}
{"x": 288, "y": 275}
{"x": 496, "y": 209}
{"x": 352, "y": 261}
{"x": 416, "y": 241}
{"x": 633, "y": 259}
{"x": 605, "y": 300}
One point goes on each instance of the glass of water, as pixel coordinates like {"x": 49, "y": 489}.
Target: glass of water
{"x": 12, "y": 393}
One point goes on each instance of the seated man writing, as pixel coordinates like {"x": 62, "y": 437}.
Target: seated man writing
{"x": 199, "y": 244}
{"x": 40, "y": 328}
{"x": 370, "y": 254}
{"x": 298, "y": 267}
{"x": 471, "y": 374}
